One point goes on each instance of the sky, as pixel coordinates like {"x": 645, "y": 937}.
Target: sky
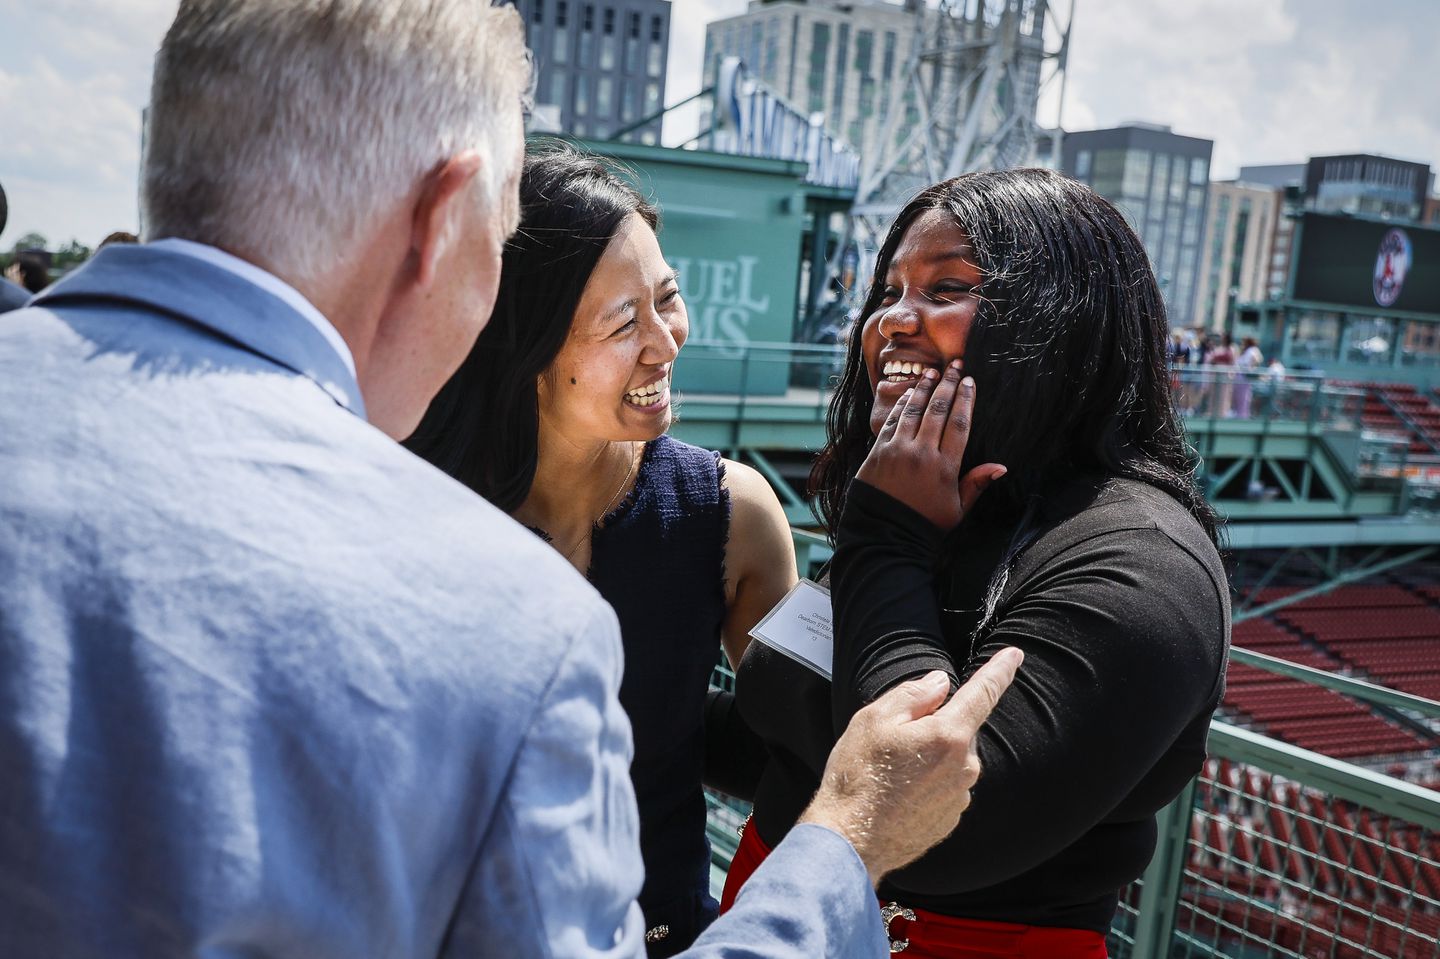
{"x": 1270, "y": 81}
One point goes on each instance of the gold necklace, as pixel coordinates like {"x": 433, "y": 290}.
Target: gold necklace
{"x": 590, "y": 531}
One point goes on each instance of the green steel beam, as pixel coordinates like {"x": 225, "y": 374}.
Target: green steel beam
{"x": 1298, "y": 306}
{"x": 1354, "y": 688}
{"x": 1279, "y": 475}
{"x": 1160, "y": 886}
{"x": 1361, "y": 507}
{"x": 1221, "y": 481}
{"x": 1326, "y": 564}
{"x": 1383, "y": 794}
{"x": 1242, "y": 535}
{"x": 1270, "y": 573}
{"x": 1349, "y": 576}
{"x": 799, "y": 514}
{"x": 777, "y": 482}
{"x": 811, "y": 549}
{"x": 1399, "y": 413}
{"x": 659, "y": 114}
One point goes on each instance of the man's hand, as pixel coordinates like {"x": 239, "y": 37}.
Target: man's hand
{"x": 917, "y": 453}
{"x": 898, "y": 780}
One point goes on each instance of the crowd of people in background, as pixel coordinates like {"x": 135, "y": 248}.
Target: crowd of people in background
{"x": 1223, "y": 381}
{"x": 30, "y": 267}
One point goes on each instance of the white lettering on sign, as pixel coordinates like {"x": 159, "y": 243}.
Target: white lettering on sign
{"x": 753, "y": 120}
{"x": 720, "y": 296}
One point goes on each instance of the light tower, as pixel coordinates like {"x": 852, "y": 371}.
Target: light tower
{"x": 967, "y": 102}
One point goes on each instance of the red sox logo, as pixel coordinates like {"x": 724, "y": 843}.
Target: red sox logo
{"x": 1391, "y": 265}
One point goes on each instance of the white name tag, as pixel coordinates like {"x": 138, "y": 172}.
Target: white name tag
{"x": 799, "y": 627}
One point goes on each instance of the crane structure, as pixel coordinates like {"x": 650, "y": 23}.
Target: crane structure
{"x": 968, "y": 102}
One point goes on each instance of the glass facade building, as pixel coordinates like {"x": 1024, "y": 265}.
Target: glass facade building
{"x": 1159, "y": 181}
{"x": 839, "y": 59}
{"x": 1367, "y": 185}
{"x": 1235, "y": 250}
{"x": 600, "y": 64}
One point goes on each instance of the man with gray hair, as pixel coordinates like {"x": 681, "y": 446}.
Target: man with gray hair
{"x": 270, "y": 685}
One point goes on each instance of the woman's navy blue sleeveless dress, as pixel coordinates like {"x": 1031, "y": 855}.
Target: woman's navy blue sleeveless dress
{"x": 659, "y": 559}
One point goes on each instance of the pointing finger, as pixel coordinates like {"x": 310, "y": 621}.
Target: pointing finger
{"x": 914, "y": 699}
{"x": 976, "y": 700}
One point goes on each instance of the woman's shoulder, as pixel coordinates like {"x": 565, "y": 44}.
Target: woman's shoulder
{"x": 1130, "y": 540}
{"x": 745, "y": 484}
{"x": 753, "y": 508}
{"x": 667, "y": 445}
{"x": 670, "y": 457}
{"x": 740, "y": 484}
{"x": 755, "y": 511}
{"x": 1116, "y": 511}
{"x": 758, "y": 526}
{"x": 1126, "y": 503}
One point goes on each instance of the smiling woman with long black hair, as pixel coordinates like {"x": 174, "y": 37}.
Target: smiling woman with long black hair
{"x": 559, "y": 417}
{"x": 1012, "y": 344}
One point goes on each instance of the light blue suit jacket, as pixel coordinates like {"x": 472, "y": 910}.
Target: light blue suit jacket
{"x": 12, "y": 297}
{"x": 270, "y": 685}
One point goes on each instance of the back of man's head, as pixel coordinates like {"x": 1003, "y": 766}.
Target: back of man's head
{"x": 278, "y": 128}
{"x": 119, "y": 237}
{"x": 34, "y": 268}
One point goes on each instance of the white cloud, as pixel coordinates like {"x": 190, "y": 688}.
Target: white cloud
{"x": 76, "y": 75}
{"x": 1267, "y": 80}
{"x": 1192, "y": 66}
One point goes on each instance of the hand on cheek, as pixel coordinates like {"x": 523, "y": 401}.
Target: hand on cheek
{"x": 918, "y": 452}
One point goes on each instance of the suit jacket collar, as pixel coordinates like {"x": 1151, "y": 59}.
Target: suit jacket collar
{"x": 216, "y": 299}
{"x": 12, "y": 295}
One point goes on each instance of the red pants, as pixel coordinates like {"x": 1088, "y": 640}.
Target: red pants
{"x": 934, "y": 936}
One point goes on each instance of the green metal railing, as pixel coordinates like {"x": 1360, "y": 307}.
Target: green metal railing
{"x": 1214, "y": 393}
{"x": 1292, "y": 448}
{"x": 1215, "y": 398}
{"x": 1272, "y": 851}
{"x": 792, "y": 382}
{"x": 1277, "y": 851}
{"x": 761, "y": 374}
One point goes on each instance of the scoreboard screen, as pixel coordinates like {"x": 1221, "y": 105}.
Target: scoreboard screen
{"x": 1356, "y": 263}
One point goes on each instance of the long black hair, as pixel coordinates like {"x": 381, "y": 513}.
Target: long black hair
{"x": 1067, "y": 349}
{"x": 483, "y": 426}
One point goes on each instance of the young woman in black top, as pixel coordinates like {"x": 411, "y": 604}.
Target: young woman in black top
{"x": 1091, "y": 550}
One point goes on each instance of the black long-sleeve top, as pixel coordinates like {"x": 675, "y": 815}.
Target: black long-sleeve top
{"x": 1121, "y": 605}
